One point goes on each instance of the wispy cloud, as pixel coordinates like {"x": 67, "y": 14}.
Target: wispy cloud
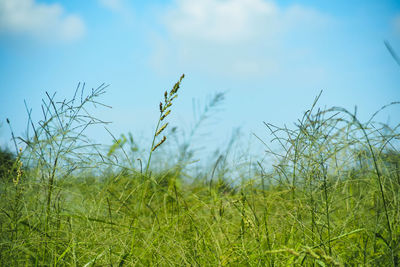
{"x": 232, "y": 36}
{"x": 220, "y": 21}
{"x": 115, "y": 5}
{"x": 236, "y": 20}
{"x": 121, "y": 8}
{"x": 39, "y": 20}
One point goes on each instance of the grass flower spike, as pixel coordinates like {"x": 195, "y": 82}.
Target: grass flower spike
{"x": 164, "y": 112}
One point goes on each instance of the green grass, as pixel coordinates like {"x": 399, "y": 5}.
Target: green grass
{"x": 329, "y": 196}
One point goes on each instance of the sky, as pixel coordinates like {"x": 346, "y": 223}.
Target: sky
{"x": 270, "y": 58}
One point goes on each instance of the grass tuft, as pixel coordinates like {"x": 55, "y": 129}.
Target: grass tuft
{"x": 327, "y": 196}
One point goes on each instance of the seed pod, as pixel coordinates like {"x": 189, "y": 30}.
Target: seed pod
{"x": 159, "y": 144}
{"x": 175, "y": 96}
{"x": 166, "y": 114}
{"x": 167, "y": 106}
{"x": 161, "y": 129}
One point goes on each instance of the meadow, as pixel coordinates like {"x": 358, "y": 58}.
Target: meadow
{"x": 326, "y": 195}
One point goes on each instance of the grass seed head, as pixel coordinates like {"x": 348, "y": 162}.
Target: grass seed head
{"x": 159, "y": 143}
{"x": 176, "y": 86}
{"x": 166, "y": 114}
{"x": 167, "y": 106}
{"x": 161, "y": 129}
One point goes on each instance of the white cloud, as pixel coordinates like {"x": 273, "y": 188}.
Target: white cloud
{"x": 121, "y": 8}
{"x": 44, "y": 21}
{"x": 115, "y": 5}
{"x": 239, "y": 38}
{"x": 235, "y": 20}
{"x": 214, "y": 20}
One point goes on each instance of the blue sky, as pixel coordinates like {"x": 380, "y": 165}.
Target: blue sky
{"x": 270, "y": 57}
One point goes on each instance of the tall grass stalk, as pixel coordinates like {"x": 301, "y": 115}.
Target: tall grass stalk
{"x": 327, "y": 196}
{"x": 165, "y": 110}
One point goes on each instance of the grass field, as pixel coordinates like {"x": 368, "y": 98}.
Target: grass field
{"x": 327, "y": 196}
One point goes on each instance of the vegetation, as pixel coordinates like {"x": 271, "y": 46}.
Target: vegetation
{"x": 329, "y": 196}
{"x": 7, "y": 160}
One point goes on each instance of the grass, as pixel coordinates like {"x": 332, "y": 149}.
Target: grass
{"x": 329, "y": 196}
